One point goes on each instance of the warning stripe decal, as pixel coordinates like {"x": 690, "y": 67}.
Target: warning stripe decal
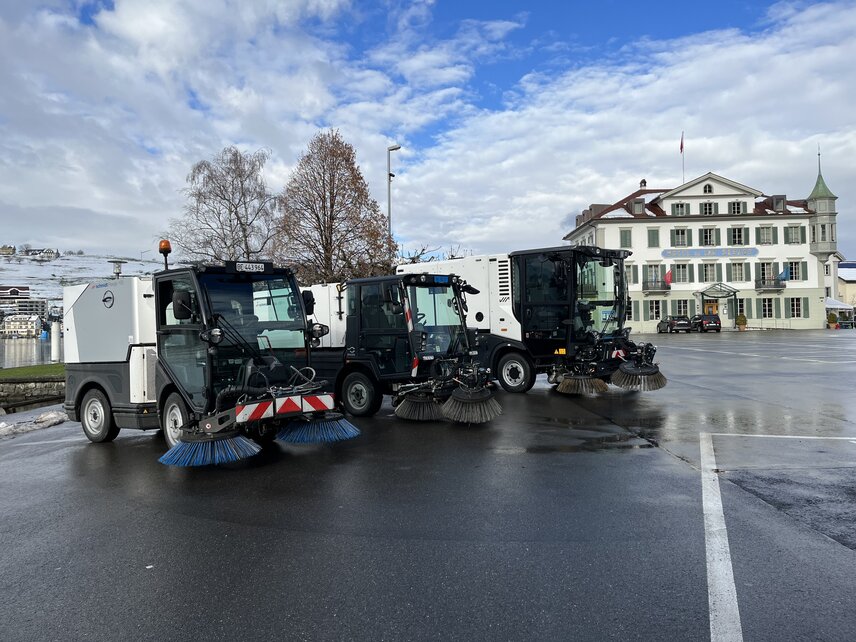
{"x": 254, "y": 411}
{"x": 314, "y": 403}
{"x": 286, "y": 405}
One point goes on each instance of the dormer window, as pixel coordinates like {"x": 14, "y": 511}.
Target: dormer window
{"x": 708, "y": 189}
{"x": 639, "y": 206}
{"x": 779, "y": 203}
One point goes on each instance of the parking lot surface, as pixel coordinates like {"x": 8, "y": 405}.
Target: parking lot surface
{"x": 569, "y": 517}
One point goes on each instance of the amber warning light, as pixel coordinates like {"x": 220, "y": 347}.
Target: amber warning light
{"x": 165, "y": 248}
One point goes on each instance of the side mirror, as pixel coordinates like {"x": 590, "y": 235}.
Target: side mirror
{"x": 390, "y": 295}
{"x": 181, "y": 309}
{"x": 469, "y": 289}
{"x": 212, "y": 336}
{"x": 308, "y": 302}
{"x": 318, "y": 330}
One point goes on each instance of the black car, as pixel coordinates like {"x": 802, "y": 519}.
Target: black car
{"x": 706, "y": 323}
{"x": 677, "y": 323}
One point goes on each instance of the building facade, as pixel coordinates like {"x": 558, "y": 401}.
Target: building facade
{"x": 715, "y": 246}
{"x": 21, "y": 326}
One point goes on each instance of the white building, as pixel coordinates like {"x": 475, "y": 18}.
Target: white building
{"x": 715, "y": 246}
{"x": 21, "y": 325}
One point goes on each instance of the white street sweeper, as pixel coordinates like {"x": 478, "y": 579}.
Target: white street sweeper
{"x": 211, "y": 355}
{"x": 403, "y": 336}
{"x": 557, "y": 310}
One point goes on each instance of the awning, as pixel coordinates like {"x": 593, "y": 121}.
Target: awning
{"x": 833, "y": 304}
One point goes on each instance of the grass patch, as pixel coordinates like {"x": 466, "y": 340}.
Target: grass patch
{"x": 33, "y": 372}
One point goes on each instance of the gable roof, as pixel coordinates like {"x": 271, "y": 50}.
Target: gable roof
{"x": 710, "y": 176}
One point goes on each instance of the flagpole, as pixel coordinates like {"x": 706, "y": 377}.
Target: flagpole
{"x": 683, "y": 169}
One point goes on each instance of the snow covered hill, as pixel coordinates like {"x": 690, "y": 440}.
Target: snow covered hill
{"x": 46, "y": 278}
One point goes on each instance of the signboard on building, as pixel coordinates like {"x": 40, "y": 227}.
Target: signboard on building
{"x": 709, "y": 252}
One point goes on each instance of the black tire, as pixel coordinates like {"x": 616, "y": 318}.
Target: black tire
{"x": 96, "y": 417}
{"x": 360, "y": 395}
{"x": 174, "y": 415}
{"x": 720, "y": 330}
{"x": 515, "y": 373}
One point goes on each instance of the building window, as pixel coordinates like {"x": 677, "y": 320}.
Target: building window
{"x": 822, "y": 233}
{"x": 737, "y": 207}
{"x": 680, "y": 273}
{"x": 814, "y": 233}
{"x": 795, "y": 304}
{"x": 708, "y": 272}
{"x": 639, "y": 206}
{"x": 737, "y": 272}
{"x": 628, "y": 315}
{"x": 708, "y": 189}
{"x": 765, "y": 271}
{"x": 827, "y": 292}
{"x": 653, "y": 238}
{"x": 680, "y": 238}
{"x": 628, "y": 274}
{"x": 654, "y": 310}
{"x": 765, "y": 236}
{"x": 792, "y": 234}
{"x": 707, "y": 209}
{"x": 741, "y": 306}
{"x": 708, "y": 236}
{"x": 682, "y": 307}
{"x": 766, "y": 308}
{"x": 832, "y": 232}
{"x": 826, "y": 270}
{"x": 680, "y": 209}
{"x": 737, "y": 236}
{"x": 794, "y": 272}
{"x": 626, "y": 238}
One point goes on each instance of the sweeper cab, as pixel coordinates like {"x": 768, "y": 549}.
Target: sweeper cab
{"x": 212, "y": 355}
{"x": 558, "y": 311}
{"x": 403, "y": 336}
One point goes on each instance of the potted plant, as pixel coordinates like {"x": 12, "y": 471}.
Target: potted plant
{"x": 741, "y": 322}
{"x": 831, "y": 320}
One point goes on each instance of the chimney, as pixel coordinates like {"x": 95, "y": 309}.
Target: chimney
{"x": 643, "y": 184}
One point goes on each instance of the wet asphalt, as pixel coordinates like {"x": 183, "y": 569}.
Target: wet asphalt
{"x": 565, "y": 518}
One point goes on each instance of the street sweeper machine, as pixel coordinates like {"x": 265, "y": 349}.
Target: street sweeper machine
{"x": 218, "y": 357}
{"x": 404, "y": 336}
{"x": 559, "y": 311}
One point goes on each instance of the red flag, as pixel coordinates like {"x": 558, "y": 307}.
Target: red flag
{"x": 682, "y": 142}
{"x": 668, "y": 278}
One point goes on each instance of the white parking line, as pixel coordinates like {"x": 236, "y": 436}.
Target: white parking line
{"x": 760, "y": 356}
{"x": 721, "y": 592}
{"x": 737, "y": 434}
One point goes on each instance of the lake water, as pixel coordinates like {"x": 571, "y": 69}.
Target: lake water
{"x": 25, "y": 352}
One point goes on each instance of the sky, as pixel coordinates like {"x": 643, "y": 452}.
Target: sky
{"x": 512, "y": 116}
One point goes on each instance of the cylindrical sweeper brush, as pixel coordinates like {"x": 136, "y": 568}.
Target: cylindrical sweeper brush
{"x": 202, "y": 449}
{"x": 581, "y": 385}
{"x": 325, "y": 428}
{"x": 643, "y": 377}
{"x": 471, "y": 406}
{"x": 418, "y": 406}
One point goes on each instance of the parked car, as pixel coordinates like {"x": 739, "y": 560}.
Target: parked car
{"x": 678, "y": 323}
{"x": 706, "y": 322}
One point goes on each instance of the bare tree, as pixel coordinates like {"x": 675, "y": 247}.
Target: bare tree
{"x": 331, "y": 228}
{"x": 230, "y": 214}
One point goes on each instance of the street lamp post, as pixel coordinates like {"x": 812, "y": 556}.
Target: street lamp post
{"x": 389, "y": 177}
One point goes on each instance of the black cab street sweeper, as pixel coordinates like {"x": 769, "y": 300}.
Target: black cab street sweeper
{"x": 556, "y": 310}
{"x": 218, "y": 357}
{"x": 404, "y": 336}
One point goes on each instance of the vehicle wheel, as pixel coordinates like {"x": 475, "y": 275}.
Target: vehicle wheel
{"x": 360, "y": 395}
{"x": 719, "y": 330}
{"x": 514, "y": 373}
{"x": 96, "y": 417}
{"x": 173, "y": 417}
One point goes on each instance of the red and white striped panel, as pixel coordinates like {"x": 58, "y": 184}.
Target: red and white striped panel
{"x": 408, "y": 317}
{"x": 289, "y": 405}
{"x": 316, "y": 403}
{"x": 254, "y": 411}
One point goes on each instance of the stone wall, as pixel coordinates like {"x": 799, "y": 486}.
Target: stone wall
{"x": 22, "y": 391}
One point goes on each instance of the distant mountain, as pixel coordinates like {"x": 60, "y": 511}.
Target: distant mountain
{"x": 47, "y": 278}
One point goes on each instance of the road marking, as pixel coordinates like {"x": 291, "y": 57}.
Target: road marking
{"x": 41, "y": 443}
{"x": 737, "y": 434}
{"x": 721, "y": 592}
{"x": 760, "y": 356}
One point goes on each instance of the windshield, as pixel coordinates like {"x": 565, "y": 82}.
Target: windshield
{"x": 601, "y": 294}
{"x": 260, "y": 315}
{"x": 435, "y": 312}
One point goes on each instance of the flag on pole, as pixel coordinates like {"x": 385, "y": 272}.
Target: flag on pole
{"x": 668, "y": 277}
{"x": 785, "y": 275}
{"x": 682, "y": 142}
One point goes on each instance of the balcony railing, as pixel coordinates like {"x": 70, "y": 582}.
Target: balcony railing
{"x": 655, "y": 285}
{"x": 769, "y": 284}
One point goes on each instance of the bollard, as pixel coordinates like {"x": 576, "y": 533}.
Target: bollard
{"x": 55, "y": 332}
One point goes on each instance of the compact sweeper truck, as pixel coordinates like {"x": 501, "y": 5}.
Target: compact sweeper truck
{"x": 556, "y": 310}
{"x": 212, "y": 355}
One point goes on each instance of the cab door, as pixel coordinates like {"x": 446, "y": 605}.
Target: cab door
{"x": 383, "y": 330}
{"x": 545, "y": 308}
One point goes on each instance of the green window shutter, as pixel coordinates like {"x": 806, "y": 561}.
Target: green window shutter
{"x": 692, "y": 307}
{"x": 730, "y": 235}
{"x": 674, "y": 307}
{"x": 743, "y": 207}
{"x": 636, "y": 310}
{"x": 674, "y": 209}
{"x": 719, "y": 272}
{"x": 787, "y": 235}
{"x": 759, "y": 306}
{"x": 746, "y": 236}
{"x": 787, "y": 308}
{"x": 635, "y": 271}
{"x": 775, "y": 235}
{"x": 776, "y": 270}
{"x": 777, "y": 308}
{"x": 802, "y": 233}
{"x": 690, "y": 273}
{"x": 672, "y": 237}
{"x": 803, "y": 271}
{"x": 731, "y": 309}
{"x": 715, "y": 209}
{"x": 747, "y": 308}
{"x": 718, "y": 236}
{"x": 728, "y": 272}
{"x": 689, "y": 237}
{"x": 805, "y": 314}
{"x": 662, "y": 272}
{"x": 646, "y": 311}
{"x": 653, "y": 238}
{"x": 757, "y": 236}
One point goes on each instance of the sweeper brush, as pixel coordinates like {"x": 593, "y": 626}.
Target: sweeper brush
{"x": 205, "y": 450}
{"x": 471, "y": 406}
{"x": 643, "y": 377}
{"x": 418, "y": 407}
{"x": 581, "y": 385}
{"x": 330, "y": 428}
